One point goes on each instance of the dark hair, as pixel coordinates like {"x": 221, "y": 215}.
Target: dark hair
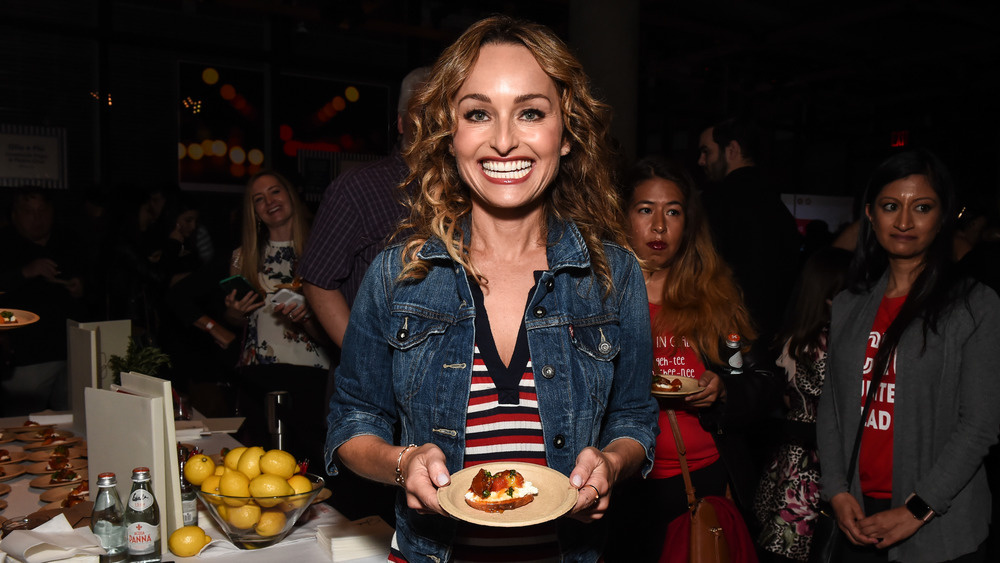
{"x": 931, "y": 291}
{"x": 822, "y": 277}
{"x": 742, "y": 130}
{"x": 701, "y": 300}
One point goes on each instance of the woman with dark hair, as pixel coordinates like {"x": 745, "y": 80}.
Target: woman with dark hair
{"x": 919, "y": 492}
{"x": 695, "y": 304}
{"x": 787, "y": 500}
{"x": 511, "y": 325}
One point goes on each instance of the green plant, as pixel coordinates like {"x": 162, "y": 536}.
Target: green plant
{"x": 142, "y": 359}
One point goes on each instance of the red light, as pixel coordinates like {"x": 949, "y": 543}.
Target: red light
{"x": 899, "y": 138}
{"x": 285, "y": 133}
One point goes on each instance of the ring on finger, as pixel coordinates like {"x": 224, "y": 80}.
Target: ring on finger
{"x": 597, "y": 494}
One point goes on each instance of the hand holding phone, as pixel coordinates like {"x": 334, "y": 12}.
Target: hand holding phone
{"x": 238, "y": 283}
{"x": 288, "y": 297}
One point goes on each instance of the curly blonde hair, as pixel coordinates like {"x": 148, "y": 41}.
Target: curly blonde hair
{"x": 583, "y": 191}
{"x": 255, "y": 234}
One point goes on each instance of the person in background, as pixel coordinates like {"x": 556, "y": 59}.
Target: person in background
{"x": 694, "y": 304}
{"x": 920, "y": 491}
{"x": 787, "y": 501}
{"x": 755, "y": 233}
{"x": 512, "y": 323}
{"x": 283, "y": 345}
{"x": 39, "y": 273}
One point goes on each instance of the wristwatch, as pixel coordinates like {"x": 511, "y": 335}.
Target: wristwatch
{"x": 918, "y": 508}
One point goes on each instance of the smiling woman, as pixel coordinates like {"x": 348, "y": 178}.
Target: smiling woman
{"x": 475, "y": 332}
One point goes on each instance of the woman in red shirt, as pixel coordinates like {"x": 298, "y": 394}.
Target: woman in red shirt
{"x": 694, "y": 303}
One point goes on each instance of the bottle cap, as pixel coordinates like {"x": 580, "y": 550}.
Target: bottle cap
{"x": 106, "y": 479}
{"x": 733, "y": 340}
{"x": 140, "y": 474}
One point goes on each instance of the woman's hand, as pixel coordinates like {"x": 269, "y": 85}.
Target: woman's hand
{"x": 296, "y": 313}
{"x": 424, "y": 471}
{"x": 890, "y": 526}
{"x": 243, "y": 307}
{"x": 712, "y": 389}
{"x": 849, "y": 514}
{"x": 593, "y": 475}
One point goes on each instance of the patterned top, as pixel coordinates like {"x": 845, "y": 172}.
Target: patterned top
{"x": 359, "y": 211}
{"x": 272, "y": 338}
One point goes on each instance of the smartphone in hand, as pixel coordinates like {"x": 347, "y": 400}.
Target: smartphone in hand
{"x": 237, "y": 282}
{"x": 289, "y": 297}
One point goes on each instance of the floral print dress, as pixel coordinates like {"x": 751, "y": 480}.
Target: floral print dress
{"x": 271, "y": 338}
{"x": 788, "y": 496}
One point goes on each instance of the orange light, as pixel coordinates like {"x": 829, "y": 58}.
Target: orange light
{"x": 218, "y": 148}
{"x": 237, "y": 170}
{"x": 237, "y": 155}
{"x": 255, "y": 156}
{"x": 339, "y": 103}
{"x": 181, "y": 151}
{"x": 227, "y": 92}
{"x": 210, "y": 76}
{"x": 195, "y": 151}
{"x": 352, "y": 94}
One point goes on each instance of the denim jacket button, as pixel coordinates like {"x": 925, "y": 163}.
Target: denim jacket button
{"x": 604, "y": 347}
{"x": 548, "y": 372}
{"x": 550, "y": 285}
{"x": 539, "y": 312}
{"x": 403, "y": 334}
{"x": 559, "y": 441}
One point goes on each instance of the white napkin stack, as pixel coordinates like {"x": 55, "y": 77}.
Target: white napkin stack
{"x": 54, "y": 540}
{"x": 365, "y": 537}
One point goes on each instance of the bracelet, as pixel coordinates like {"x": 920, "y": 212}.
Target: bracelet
{"x": 400, "y": 480}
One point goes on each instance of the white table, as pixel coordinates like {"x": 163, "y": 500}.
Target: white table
{"x": 22, "y": 501}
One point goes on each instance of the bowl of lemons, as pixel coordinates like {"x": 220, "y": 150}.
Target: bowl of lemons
{"x": 254, "y": 496}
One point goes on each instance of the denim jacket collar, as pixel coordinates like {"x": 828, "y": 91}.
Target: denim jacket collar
{"x": 566, "y": 246}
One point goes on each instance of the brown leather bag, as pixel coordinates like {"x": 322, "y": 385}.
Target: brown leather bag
{"x": 708, "y": 539}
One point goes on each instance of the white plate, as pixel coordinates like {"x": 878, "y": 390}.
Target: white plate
{"x": 555, "y": 496}
{"x": 689, "y": 386}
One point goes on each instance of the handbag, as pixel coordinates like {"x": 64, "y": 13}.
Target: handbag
{"x": 712, "y": 529}
{"x": 827, "y": 544}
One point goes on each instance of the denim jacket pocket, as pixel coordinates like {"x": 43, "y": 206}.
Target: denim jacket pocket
{"x": 600, "y": 341}
{"x": 409, "y": 329}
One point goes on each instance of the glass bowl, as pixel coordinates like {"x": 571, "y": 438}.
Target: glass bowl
{"x": 255, "y": 522}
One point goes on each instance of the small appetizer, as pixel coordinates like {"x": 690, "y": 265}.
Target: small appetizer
{"x": 30, "y": 422}
{"x": 81, "y": 493}
{"x": 44, "y": 433}
{"x": 496, "y": 492}
{"x": 63, "y": 476}
{"x": 56, "y": 463}
{"x": 4, "y": 456}
{"x": 8, "y": 318}
{"x": 661, "y": 383}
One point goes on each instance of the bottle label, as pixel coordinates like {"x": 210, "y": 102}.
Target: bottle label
{"x": 140, "y": 499}
{"x": 189, "y": 511}
{"x": 142, "y": 537}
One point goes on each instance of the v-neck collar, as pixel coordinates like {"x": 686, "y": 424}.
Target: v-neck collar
{"x": 506, "y": 378}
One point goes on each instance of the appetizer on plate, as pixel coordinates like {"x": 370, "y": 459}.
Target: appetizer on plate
{"x": 80, "y": 493}
{"x": 63, "y": 476}
{"x": 667, "y": 384}
{"x": 4, "y": 456}
{"x": 8, "y": 317}
{"x": 496, "y": 492}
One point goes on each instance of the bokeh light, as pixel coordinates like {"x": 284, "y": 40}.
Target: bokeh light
{"x": 237, "y": 170}
{"x": 255, "y": 156}
{"x": 237, "y": 155}
{"x": 219, "y": 147}
{"x": 285, "y": 133}
{"x": 352, "y": 94}
{"x": 227, "y": 92}
{"x": 195, "y": 151}
{"x": 206, "y": 147}
{"x": 339, "y": 103}
{"x": 210, "y": 76}
{"x": 181, "y": 151}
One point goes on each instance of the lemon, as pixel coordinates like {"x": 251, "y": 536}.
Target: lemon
{"x": 249, "y": 463}
{"x": 278, "y": 462}
{"x": 233, "y": 457}
{"x": 211, "y": 485}
{"x": 271, "y": 523}
{"x": 301, "y": 486}
{"x": 220, "y": 469}
{"x": 264, "y": 486}
{"x": 234, "y": 484}
{"x": 198, "y": 468}
{"x": 188, "y": 541}
{"x": 243, "y": 517}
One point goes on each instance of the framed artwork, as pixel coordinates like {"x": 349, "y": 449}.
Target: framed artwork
{"x": 33, "y": 156}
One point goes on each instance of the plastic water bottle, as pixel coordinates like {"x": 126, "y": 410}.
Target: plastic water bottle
{"x": 142, "y": 520}
{"x": 107, "y": 521}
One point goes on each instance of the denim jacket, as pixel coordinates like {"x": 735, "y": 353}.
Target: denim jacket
{"x": 407, "y": 357}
